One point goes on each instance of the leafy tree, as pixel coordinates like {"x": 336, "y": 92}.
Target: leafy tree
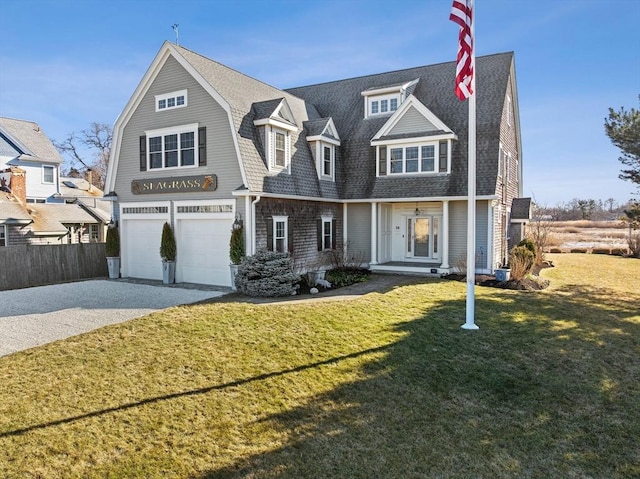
{"x": 96, "y": 141}
{"x": 623, "y": 129}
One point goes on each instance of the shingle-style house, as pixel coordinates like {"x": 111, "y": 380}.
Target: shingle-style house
{"x": 37, "y": 206}
{"x": 373, "y": 168}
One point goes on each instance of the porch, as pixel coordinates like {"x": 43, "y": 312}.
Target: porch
{"x": 411, "y": 267}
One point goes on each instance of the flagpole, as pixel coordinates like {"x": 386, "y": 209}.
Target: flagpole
{"x": 471, "y": 200}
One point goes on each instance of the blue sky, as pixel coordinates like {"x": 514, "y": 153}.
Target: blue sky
{"x": 67, "y": 63}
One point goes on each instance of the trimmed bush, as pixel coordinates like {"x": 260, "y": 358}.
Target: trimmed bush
{"x": 236, "y": 245}
{"x": 168, "y": 249}
{"x": 601, "y": 251}
{"x": 527, "y": 243}
{"x": 619, "y": 251}
{"x": 579, "y": 250}
{"x": 521, "y": 261}
{"x": 555, "y": 250}
{"x": 267, "y": 274}
{"x": 112, "y": 243}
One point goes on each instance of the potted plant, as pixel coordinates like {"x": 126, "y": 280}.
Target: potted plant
{"x": 112, "y": 250}
{"x": 236, "y": 250}
{"x": 168, "y": 253}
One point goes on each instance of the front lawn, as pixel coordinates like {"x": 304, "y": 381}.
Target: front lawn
{"x": 384, "y": 386}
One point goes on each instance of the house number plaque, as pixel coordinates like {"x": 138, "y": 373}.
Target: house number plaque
{"x": 174, "y": 184}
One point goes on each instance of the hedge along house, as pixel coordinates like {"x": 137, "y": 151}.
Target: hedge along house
{"x": 372, "y": 168}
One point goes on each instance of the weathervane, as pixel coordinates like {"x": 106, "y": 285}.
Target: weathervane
{"x": 175, "y": 29}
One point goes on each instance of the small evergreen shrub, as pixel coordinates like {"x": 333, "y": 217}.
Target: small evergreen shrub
{"x": 112, "y": 243}
{"x": 527, "y": 243}
{"x": 341, "y": 277}
{"x": 168, "y": 249}
{"x": 267, "y": 274}
{"x": 521, "y": 261}
{"x": 601, "y": 251}
{"x": 236, "y": 245}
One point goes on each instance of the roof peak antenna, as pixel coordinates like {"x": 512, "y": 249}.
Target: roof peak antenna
{"x": 175, "y": 29}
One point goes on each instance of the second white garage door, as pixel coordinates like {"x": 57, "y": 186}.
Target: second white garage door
{"x": 203, "y": 251}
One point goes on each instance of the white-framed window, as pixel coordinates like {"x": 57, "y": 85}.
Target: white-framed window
{"x": 280, "y": 234}
{"x": 413, "y": 159}
{"x": 326, "y": 233}
{"x": 169, "y": 101}
{"x": 381, "y": 105}
{"x": 3, "y": 235}
{"x": 94, "y": 233}
{"x": 172, "y": 147}
{"x": 48, "y": 174}
{"x": 328, "y": 160}
{"x": 280, "y": 147}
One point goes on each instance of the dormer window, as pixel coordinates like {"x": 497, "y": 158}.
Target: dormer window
{"x": 279, "y": 150}
{"x": 169, "y": 101}
{"x": 323, "y": 140}
{"x": 381, "y": 105}
{"x": 280, "y": 159}
{"x": 386, "y": 100}
{"x": 276, "y": 125}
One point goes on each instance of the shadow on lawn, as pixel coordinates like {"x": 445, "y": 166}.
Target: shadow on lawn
{"x": 545, "y": 395}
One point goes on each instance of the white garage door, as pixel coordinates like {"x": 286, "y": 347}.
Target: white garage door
{"x": 141, "y": 248}
{"x": 203, "y": 251}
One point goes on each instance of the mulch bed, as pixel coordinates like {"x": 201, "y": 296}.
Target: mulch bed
{"x": 531, "y": 283}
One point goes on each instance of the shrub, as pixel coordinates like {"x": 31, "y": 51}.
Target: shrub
{"x": 555, "y": 250}
{"x": 168, "y": 250}
{"x": 619, "y": 251}
{"x": 112, "y": 243}
{"x": 527, "y": 243}
{"x": 236, "y": 245}
{"x": 521, "y": 261}
{"x": 601, "y": 251}
{"x": 340, "y": 277}
{"x": 267, "y": 274}
{"x": 579, "y": 250}
{"x": 634, "y": 244}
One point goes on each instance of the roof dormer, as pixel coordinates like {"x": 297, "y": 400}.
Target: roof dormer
{"x": 323, "y": 140}
{"x": 275, "y": 113}
{"x": 380, "y": 101}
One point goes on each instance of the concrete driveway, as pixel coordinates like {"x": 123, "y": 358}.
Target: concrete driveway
{"x": 34, "y": 316}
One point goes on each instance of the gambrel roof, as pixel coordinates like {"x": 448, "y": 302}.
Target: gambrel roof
{"x": 432, "y": 106}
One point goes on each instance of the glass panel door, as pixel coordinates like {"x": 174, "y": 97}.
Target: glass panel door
{"x": 421, "y": 237}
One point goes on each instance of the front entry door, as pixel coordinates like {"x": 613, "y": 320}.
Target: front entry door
{"x": 422, "y": 237}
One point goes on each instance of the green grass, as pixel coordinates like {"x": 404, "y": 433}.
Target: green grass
{"x": 385, "y": 386}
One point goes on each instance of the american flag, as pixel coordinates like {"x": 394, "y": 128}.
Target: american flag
{"x": 461, "y": 13}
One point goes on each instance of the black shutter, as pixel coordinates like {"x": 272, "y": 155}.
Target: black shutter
{"x": 143, "y": 153}
{"x": 382, "y": 169}
{"x": 202, "y": 146}
{"x": 270, "y": 234}
{"x": 320, "y": 232}
{"x": 442, "y": 163}
{"x": 290, "y": 238}
{"x": 334, "y": 233}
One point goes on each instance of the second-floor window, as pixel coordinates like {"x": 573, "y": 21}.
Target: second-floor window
{"x": 279, "y": 152}
{"x": 172, "y": 148}
{"x": 328, "y": 155}
{"x": 48, "y": 174}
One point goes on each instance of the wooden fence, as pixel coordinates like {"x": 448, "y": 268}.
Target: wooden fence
{"x": 23, "y": 266}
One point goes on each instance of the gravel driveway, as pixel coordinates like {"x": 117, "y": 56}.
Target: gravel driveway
{"x": 33, "y": 316}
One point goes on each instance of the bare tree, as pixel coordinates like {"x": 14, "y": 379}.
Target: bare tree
{"x": 97, "y": 140}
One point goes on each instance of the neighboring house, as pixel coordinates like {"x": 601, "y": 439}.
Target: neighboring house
{"x": 52, "y": 209}
{"x": 373, "y": 168}
{"x": 23, "y": 144}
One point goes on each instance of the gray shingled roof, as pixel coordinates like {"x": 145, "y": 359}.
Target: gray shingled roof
{"x": 342, "y": 100}
{"x": 29, "y": 139}
{"x": 521, "y": 209}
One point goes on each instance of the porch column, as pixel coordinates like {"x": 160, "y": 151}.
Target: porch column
{"x": 445, "y": 234}
{"x": 374, "y": 233}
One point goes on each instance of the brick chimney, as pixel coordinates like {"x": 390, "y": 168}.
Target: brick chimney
{"x": 18, "y": 183}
